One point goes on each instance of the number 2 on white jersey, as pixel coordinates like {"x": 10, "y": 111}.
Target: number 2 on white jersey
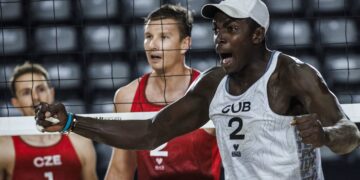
{"x": 235, "y": 134}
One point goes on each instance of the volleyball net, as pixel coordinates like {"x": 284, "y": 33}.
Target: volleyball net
{"x": 91, "y": 48}
{"x": 25, "y": 125}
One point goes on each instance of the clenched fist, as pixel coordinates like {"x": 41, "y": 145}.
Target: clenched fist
{"x": 310, "y": 130}
{"x": 50, "y": 117}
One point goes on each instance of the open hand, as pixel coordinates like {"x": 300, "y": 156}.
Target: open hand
{"x": 50, "y": 117}
{"x": 310, "y": 130}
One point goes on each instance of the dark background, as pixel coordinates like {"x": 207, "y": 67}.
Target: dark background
{"x": 93, "y": 47}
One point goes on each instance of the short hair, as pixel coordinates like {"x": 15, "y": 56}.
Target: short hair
{"x": 181, "y": 15}
{"x": 25, "y": 68}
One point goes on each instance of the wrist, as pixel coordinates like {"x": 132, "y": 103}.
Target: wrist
{"x": 73, "y": 123}
{"x": 69, "y": 125}
{"x": 327, "y": 137}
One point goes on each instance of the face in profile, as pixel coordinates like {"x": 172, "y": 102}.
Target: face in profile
{"x": 162, "y": 43}
{"x": 31, "y": 89}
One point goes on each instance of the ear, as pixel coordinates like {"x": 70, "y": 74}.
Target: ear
{"x": 185, "y": 44}
{"x": 258, "y": 35}
{"x": 15, "y": 102}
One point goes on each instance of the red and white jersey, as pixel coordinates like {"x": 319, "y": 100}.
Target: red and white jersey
{"x": 192, "y": 156}
{"x": 58, "y": 162}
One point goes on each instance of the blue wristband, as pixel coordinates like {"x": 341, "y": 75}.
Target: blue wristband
{"x": 68, "y": 122}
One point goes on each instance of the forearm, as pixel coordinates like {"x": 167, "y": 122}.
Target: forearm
{"x": 343, "y": 137}
{"x": 120, "y": 134}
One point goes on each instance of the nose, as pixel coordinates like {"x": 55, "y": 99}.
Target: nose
{"x": 153, "y": 44}
{"x": 219, "y": 38}
{"x": 34, "y": 96}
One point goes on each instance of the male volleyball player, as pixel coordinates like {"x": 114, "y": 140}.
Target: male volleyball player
{"x": 270, "y": 110}
{"x": 42, "y": 156}
{"x": 195, "y": 155}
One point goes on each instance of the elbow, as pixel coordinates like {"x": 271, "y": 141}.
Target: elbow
{"x": 153, "y": 141}
{"x": 150, "y": 140}
{"x": 155, "y": 136}
{"x": 349, "y": 142}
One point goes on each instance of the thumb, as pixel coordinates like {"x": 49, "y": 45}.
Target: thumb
{"x": 304, "y": 118}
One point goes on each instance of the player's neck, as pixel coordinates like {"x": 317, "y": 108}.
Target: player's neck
{"x": 41, "y": 140}
{"x": 178, "y": 68}
{"x": 256, "y": 66}
{"x": 171, "y": 75}
{"x": 168, "y": 89}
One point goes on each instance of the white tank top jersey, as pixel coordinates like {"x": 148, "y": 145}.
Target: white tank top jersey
{"x": 255, "y": 143}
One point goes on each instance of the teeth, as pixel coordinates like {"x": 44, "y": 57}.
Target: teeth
{"x": 227, "y": 60}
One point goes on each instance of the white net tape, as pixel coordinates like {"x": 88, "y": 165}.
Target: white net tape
{"x": 25, "y": 125}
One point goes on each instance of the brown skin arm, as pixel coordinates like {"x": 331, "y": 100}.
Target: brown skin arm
{"x": 327, "y": 123}
{"x": 183, "y": 116}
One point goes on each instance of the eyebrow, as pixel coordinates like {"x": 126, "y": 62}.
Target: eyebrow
{"x": 34, "y": 87}
{"x": 228, "y": 21}
{"x": 161, "y": 33}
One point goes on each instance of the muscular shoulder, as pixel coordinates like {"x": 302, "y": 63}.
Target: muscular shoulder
{"x": 208, "y": 81}
{"x": 6, "y": 142}
{"x": 78, "y": 140}
{"x": 81, "y": 144}
{"x": 124, "y": 96}
{"x": 299, "y": 75}
{"x": 126, "y": 93}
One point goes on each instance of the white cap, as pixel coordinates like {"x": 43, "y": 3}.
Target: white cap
{"x": 254, "y": 9}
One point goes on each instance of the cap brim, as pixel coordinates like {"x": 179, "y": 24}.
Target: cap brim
{"x": 209, "y": 11}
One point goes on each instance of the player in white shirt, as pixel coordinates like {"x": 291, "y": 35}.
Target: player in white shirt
{"x": 270, "y": 110}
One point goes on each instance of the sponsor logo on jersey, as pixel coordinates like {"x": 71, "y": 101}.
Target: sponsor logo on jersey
{"x": 236, "y": 152}
{"x": 159, "y": 164}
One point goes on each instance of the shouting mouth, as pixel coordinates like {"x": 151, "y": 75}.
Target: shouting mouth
{"x": 226, "y": 59}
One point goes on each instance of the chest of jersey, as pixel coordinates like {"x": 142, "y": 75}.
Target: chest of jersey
{"x": 192, "y": 156}
{"x": 59, "y": 161}
{"x": 255, "y": 142}
{"x": 246, "y": 126}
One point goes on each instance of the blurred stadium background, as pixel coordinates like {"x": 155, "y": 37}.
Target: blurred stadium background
{"x": 93, "y": 47}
